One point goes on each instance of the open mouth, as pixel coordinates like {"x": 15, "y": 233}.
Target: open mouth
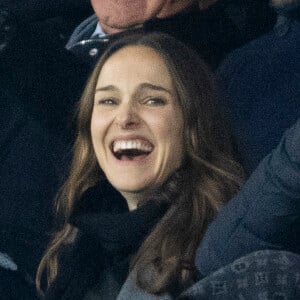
{"x": 131, "y": 149}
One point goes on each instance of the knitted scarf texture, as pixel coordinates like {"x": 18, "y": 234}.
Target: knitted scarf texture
{"x": 108, "y": 236}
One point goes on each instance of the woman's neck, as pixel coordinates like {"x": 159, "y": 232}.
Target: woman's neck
{"x": 134, "y": 198}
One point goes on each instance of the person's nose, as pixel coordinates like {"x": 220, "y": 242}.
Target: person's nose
{"x": 127, "y": 116}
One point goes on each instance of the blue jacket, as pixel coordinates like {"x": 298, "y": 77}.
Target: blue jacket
{"x": 261, "y": 80}
{"x": 265, "y": 214}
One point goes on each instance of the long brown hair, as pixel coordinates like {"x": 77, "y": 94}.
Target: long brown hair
{"x": 209, "y": 178}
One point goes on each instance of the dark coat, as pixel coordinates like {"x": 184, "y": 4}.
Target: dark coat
{"x": 14, "y": 282}
{"x": 265, "y": 214}
{"x": 261, "y": 81}
{"x": 39, "y": 83}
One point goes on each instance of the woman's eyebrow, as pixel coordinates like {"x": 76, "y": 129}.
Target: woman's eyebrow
{"x": 150, "y": 86}
{"x": 140, "y": 88}
{"x": 107, "y": 88}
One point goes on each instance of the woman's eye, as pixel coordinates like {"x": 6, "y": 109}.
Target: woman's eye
{"x": 155, "y": 101}
{"x": 108, "y": 101}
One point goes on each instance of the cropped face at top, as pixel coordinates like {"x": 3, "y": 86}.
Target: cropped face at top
{"x": 116, "y": 16}
{"x": 137, "y": 124}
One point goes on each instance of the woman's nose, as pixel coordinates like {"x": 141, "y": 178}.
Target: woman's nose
{"x": 127, "y": 116}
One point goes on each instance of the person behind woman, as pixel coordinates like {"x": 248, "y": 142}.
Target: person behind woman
{"x": 152, "y": 165}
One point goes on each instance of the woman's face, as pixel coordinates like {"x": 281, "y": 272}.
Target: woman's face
{"x": 137, "y": 124}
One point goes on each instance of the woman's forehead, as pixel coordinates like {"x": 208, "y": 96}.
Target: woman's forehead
{"x": 135, "y": 63}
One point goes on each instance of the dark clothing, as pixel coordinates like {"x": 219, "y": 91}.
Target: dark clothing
{"x": 217, "y": 31}
{"x": 265, "y": 214}
{"x": 16, "y": 285}
{"x": 260, "y": 275}
{"x": 17, "y": 13}
{"x": 262, "y": 80}
{"x": 28, "y": 11}
{"x": 108, "y": 236}
{"x": 42, "y": 75}
{"x": 39, "y": 83}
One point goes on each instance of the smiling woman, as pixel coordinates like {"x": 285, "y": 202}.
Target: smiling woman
{"x": 137, "y": 124}
{"x": 152, "y": 166}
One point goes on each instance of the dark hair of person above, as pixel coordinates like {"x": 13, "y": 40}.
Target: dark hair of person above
{"x": 152, "y": 167}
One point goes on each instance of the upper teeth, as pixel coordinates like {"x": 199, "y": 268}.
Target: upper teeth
{"x": 132, "y": 144}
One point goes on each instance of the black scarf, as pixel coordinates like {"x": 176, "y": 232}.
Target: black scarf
{"x": 108, "y": 236}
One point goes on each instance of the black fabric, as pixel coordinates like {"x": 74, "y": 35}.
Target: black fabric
{"x": 40, "y": 82}
{"x": 108, "y": 236}
{"x": 16, "y": 285}
{"x": 261, "y": 81}
{"x": 211, "y": 32}
{"x": 20, "y": 11}
{"x": 119, "y": 230}
{"x": 29, "y": 175}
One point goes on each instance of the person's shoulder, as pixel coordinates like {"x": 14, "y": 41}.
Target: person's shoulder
{"x": 276, "y": 271}
{"x": 248, "y": 54}
{"x": 26, "y": 22}
{"x": 272, "y": 51}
